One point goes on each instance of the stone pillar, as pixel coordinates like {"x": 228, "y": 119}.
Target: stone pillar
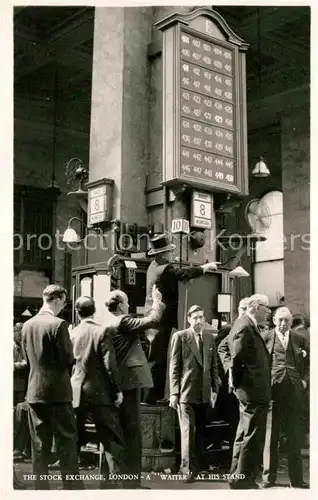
{"x": 119, "y": 114}
{"x": 296, "y": 194}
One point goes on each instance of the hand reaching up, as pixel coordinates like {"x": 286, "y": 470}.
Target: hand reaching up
{"x": 210, "y": 266}
{"x": 156, "y": 295}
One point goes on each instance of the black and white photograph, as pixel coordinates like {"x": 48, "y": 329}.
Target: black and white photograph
{"x": 161, "y": 247}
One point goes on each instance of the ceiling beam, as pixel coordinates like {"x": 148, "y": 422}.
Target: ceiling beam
{"x": 272, "y": 20}
{"x": 284, "y": 53}
{"x": 37, "y": 56}
{"x": 17, "y": 10}
{"x": 76, "y": 59}
{"x": 273, "y": 43}
{"x": 276, "y": 105}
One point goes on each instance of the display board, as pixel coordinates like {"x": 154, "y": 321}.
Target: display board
{"x": 204, "y": 122}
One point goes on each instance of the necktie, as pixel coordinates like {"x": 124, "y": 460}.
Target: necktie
{"x": 200, "y": 342}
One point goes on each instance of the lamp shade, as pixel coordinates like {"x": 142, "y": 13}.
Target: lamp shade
{"x": 26, "y": 312}
{"x": 71, "y": 236}
{"x": 239, "y": 272}
{"x": 260, "y": 169}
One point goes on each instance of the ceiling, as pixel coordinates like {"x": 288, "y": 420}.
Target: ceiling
{"x": 56, "y": 43}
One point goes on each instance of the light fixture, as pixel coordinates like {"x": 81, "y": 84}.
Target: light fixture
{"x": 239, "y": 272}
{"x": 53, "y": 184}
{"x": 260, "y": 170}
{"x": 26, "y": 312}
{"x": 70, "y": 235}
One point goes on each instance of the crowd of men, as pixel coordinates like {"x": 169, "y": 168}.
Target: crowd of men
{"x": 98, "y": 371}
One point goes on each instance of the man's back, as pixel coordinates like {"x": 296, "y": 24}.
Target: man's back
{"x": 95, "y": 374}
{"x": 48, "y": 351}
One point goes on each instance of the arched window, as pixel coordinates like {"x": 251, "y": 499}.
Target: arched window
{"x": 269, "y": 255}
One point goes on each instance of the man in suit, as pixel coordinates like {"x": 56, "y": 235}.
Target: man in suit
{"x": 96, "y": 387}
{"x": 289, "y": 353}
{"x": 20, "y": 378}
{"x": 250, "y": 379}
{"x": 166, "y": 277}
{"x": 223, "y": 346}
{"x": 300, "y": 324}
{"x": 194, "y": 384}
{"x": 227, "y": 404}
{"x": 48, "y": 351}
{"x": 134, "y": 370}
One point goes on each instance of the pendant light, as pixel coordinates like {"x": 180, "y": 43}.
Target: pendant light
{"x": 27, "y": 313}
{"x": 53, "y": 184}
{"x": 260, "y": 170}
{"x": 239, "y": 272}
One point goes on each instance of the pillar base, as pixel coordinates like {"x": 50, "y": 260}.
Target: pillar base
{"x": 158, "y": 438}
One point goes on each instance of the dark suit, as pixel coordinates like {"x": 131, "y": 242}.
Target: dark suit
{"x": 166, "y": 277}
{"x": 227, "y": 407}
{"x": 192, "y": 379}
{"x": 251, "y": 381}
{"x": 20, "y": 378}
{"x": 134, "y": 375}
{"x": 48, "y": 350}
{"x": 288, "y": 368}
{"x": 95, "y": 383}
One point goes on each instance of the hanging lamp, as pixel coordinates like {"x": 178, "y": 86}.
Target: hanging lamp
{"x": 26, "y": 312}
{"x": 260, "y": 170}
{"x": 239, "y": 272}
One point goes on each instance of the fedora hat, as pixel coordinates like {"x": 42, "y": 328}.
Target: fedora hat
{"x": 160, "y": 244}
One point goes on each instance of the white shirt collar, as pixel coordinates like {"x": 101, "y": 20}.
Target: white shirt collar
{"x": 43, "y": 309}
{"x": 89, "y": 320}
{"x": 251, "y": 318}
{"x": 196, "y": 334}
{"x": 284, "y": 336}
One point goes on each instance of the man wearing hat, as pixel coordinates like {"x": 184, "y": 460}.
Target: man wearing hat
{"x": 165, "y": 276}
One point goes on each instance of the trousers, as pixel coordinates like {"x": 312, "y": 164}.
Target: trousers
{"x": 249, "y": 443}
{"x": 129, "y": 414}
{"x": 45, "y": 421}
{"x": 109, "y": 433}
{"x": 285, "y": 416}
{"x": 192, "y": 428}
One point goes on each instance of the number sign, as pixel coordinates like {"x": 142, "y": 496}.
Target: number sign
{"x": 201, "y": 210}
{"x": 97, "y": 205}
{"x": 180, "y": 226}
{"x": 99, "y": 201}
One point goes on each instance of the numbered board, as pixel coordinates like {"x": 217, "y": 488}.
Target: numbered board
{"x": 99, "y": 201}
{"x": 180, "y": 226}
{"x": 201, "y": 210}
{"x": 97, "y": 205}
{"x": 205, "y": 137}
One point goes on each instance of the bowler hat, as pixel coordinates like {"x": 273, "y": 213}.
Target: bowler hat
{"x": 160, "y": 243}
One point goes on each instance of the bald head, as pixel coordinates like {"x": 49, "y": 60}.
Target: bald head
{"x": 117, "y": 302}
{"x": 85, "y": 306}
{"x": 258, "y": 307}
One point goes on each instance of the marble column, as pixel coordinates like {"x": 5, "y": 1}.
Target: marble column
{"x": 119, "y": 138}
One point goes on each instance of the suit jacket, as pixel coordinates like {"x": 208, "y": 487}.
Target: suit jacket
{"x": 189, "y": 376}
{"x": 250, "y": 362}
{"x": 48, "y": 351}
{"x": 223, "y": 348}
{"x": 95, "y": 378}
{"x": 134, "y": 369}
{"x": 166, "y": 277}
{"x": 20, "y": 374}
{"x": 300, "y": 347}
